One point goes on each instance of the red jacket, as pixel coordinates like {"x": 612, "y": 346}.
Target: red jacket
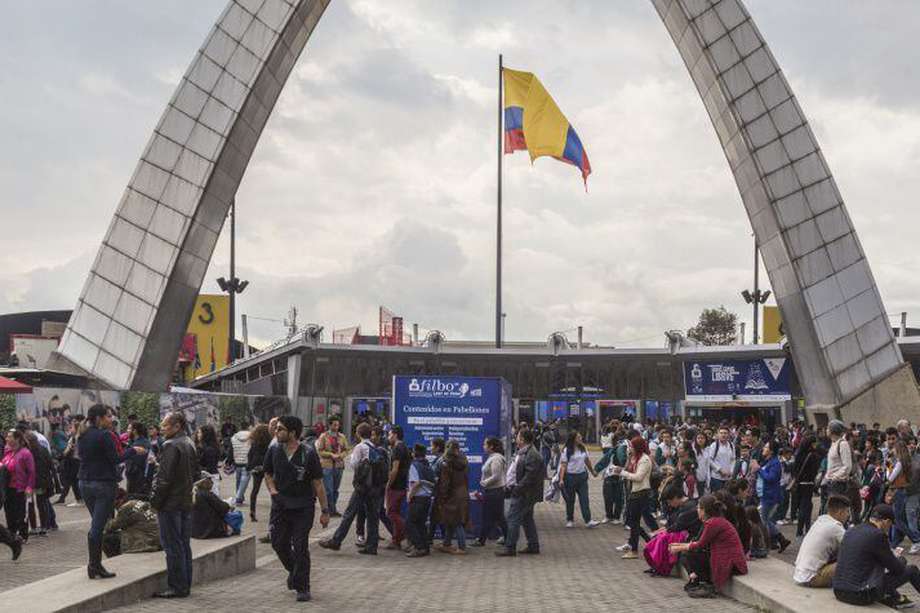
{"x": 726, "y": 556}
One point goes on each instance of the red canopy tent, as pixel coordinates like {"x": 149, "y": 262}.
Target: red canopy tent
{"x": 8, "y": 386}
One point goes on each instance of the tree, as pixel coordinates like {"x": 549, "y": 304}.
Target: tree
{"x": 716, "y": 327}
{"x": 7, "y": 411}
{"x": 146, "y": 405}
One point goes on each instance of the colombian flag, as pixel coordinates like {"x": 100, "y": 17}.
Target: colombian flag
{"x": 534, "y": 122}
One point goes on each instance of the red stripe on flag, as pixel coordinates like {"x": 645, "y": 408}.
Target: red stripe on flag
{"x": 514, "y": 141}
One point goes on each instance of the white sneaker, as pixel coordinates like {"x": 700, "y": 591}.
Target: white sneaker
{"x": 569, "y": 524}
{"x": 627, "y": 528}
{"x": 624, "y": 547}
{"x": 359, "y": 541}
{"x": 606, "y": 520}
{"x": 616, "y": 522}
{"x": 592, "y": 523}
{"x": 914, "y": 549}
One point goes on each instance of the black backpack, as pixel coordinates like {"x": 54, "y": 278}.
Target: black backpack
{"x": 373, "y": 472}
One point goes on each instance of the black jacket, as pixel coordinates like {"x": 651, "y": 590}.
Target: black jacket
{"x": 529, "y": 474}
{"x": 865, "y": 555}
{"x": 99, "y": 458}
{"x": 208, "y": 516}
{"x": 178, "y": 470}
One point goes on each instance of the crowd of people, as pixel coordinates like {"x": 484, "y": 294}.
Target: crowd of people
{"x": 707, "y": 497}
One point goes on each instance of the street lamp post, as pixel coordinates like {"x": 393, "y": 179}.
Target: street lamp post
{"x": 757, "y": 297}
{"x": 234, "y": 286}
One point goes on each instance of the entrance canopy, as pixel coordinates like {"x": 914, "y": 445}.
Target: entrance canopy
{"x": 8, "y": 386}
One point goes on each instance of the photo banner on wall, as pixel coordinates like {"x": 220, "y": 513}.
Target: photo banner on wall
{"x": 727, "y": 380}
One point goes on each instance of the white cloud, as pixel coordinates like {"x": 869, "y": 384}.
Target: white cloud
{"x": 374, "y": 181}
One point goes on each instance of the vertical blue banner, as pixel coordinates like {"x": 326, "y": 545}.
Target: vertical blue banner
{"x": 465, "y": 409}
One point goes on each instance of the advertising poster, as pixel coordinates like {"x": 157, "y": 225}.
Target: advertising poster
{"x": 466, "y": 409}
{"x": 726, "y": 380}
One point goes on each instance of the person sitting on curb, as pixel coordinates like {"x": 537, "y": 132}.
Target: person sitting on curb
{"x": 867, "y": 569}
{"x": 208, "y": 512}
{"x": 717, "y": 555}
{"x": 816, "y": 561}
{"x": 134, "y": 529}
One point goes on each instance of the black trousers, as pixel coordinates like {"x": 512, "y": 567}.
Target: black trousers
{"x": 636, "y": 506}
{"x": 697, "y": 562}
{"x": 806, "y": 492}
{"x": 256, "y": 480}
{"x": 613, "y": 497}
{"x": 290, "y": 530}
{"x": 890, "y": 585}
{"x": 419, "y": 507}
{"x": 15, "y": 509}
{"x": 360, "y": 505}
{"x": 493, "y": 513}
{"x": 70, "y": 468}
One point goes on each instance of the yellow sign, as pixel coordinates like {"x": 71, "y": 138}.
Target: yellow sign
{"x": 772, "y": 325}
{"x": 210, "y": 326}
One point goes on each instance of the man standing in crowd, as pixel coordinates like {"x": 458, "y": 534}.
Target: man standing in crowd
{"x": 366, "y": 460}
{"x": 721, "y": 454}
{"x": 171, "y": 498}
{"x": 294, "y": 479}
{"x": 839, "y": 459}
{"x": 526, "y": 491}
{"x": 332, "y": 447}
{"x": 867, "y": 570}
{"x": 817, "y": 559}
{"x": 400, "y": 459}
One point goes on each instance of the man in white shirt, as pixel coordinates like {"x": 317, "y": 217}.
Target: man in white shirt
{"x": 839, "y": 459}
{"x": 721, "y": 455}
{"x": 817, "y": 559}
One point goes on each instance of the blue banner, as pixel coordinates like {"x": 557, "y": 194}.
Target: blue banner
{"x": 466, "y": 409}
{"x": 727, "y": 380}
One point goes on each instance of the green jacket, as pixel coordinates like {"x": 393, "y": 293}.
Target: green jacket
{"x": 136, "y": 522}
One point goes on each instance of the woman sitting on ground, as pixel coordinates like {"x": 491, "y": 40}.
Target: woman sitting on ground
{"x": 716, "y": 555}
{"x": 209, "y": 513}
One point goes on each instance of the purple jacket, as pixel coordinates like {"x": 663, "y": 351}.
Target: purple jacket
{"x": 21, "y": 466}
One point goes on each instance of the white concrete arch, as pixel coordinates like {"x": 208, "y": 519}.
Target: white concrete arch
{"x": 127, "y": 326}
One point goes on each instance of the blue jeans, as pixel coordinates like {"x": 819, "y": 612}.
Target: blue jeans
{"x": 767, "y": 516}
{"x": 175, "y": 536}
{"x": 520, "y": 515}
{"x": 573, "y": 485}
{"x": 99, "y": 497}
{"x": 715, "y": 485}
{"x": 902, "y": 520}
{"x": 242, "y": 482}
{"x": 460, "y": 531}
{"x": 332, "y": 479}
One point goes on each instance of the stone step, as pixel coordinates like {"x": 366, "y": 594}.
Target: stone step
{"x": 139, "y": 575}
{"x": 768, "y": 586}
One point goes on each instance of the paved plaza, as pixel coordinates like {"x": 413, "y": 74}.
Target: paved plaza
{"x": 578, "y": 568}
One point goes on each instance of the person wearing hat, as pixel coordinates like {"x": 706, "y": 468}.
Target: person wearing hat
{"x": 867, "y": 569}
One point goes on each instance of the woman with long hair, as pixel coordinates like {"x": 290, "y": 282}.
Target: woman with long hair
{"x": 452, "y": 505}
{"x": 259, "y": 439}
{"x": 136, "y": 467}
{"x": 804, "y": 471}
{"x": 638, "y": 473}
{"x": 574, "y": 466}
{"x": 100, "y": 455}
{"x": 898, "y": 476}
{"x": 716, "y": 555}
{"x": 209, "y": 454}
{"x": 20, "y": 482}
{"x": 700, "y": 445}
{"x": 492, "y": 485}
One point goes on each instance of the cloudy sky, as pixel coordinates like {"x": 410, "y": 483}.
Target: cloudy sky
{"x": 374, "y": 181}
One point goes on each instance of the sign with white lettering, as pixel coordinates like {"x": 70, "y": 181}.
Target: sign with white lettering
{"x": 727, "y": 380}
{"x": 466, "y": 409}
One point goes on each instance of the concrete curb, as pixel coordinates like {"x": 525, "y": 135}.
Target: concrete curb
{"x": 139, "y": 576}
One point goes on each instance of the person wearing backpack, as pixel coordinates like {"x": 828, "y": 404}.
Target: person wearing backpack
{"x": 421, "y": 490}
{"x": 294, "y": 478}
{"x": 721, "y": 457}
{"x": 370, "y": 468}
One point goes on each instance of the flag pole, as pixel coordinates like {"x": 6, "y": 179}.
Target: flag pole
{"x": 498, "y": 233}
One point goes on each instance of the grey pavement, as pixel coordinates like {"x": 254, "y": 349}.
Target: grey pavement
{"x": 578, "y": 569}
